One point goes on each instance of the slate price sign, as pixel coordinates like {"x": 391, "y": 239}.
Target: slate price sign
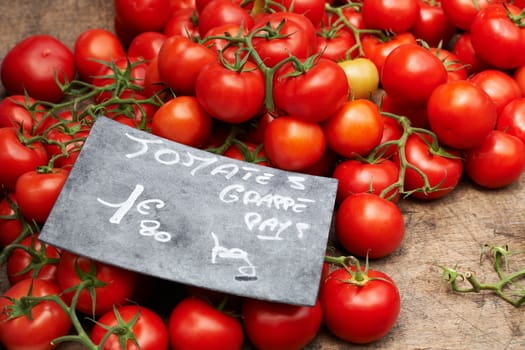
{"x": 160, "y": 208}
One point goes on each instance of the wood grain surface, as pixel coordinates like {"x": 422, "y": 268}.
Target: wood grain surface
{"x": 451, "y": 231}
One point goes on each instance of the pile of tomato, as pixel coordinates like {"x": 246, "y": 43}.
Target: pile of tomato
{"x": 393, "y": 99}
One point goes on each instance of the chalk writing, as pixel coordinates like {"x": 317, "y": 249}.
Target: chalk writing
{"x": 247, "y": 272}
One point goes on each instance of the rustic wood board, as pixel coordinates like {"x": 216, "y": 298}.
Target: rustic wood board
{"x": 450, "y": 231}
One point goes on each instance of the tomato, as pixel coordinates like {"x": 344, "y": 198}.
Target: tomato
{"x": 140, "y": 112}
{"x": 314, "y": 10}
{"x": 36, "y": 192}
{"x": 377, "y": 49}
{"x": 356, "y": 176}
{"x": 355, "y": 129}
{"x": 298, "y": 95}
{"x": 219, "y": 12}
{"x": 461, "y": 114}
{"x": 139, "y": 16}
{"x": 456, "y": 70}
{"x": 195, "y": 324}
{"x": 179, "y": 62}
{"x": 34, "y": 63}
{"x": 11, "y": 226}
{"x": 182, "y": 120}
{"x": 392, "y": 131}
{"x": 17, "y": 157}
{"x": 512, "y": 118}
{"x": 48, "y": 320}
{"x": 362, "y": 76}
{"x": 497, "y": 37}
{"x": 153, "y": 84}
{"x": 294, "y": 144}
{"x": 501, "y": 87}
{"x": 498, "y": 162}
{"x": 462, "y": 12}
{"x": 183, "y": 22}
{"x": 519, "y": 76}
{"x": 278, "y": 326}
{"x": 228, "y": 95}
{"x": 146, "y": 45}
{"x": 230, "y": 29}
{"x": 410, "y": 73}
{"x": 463, "y": 49}
{"x": 15, "y": 111}
{"x": 359, "y": 309}
{"x": 369, "y": 225}
{"x": 148, "y": 330}
{"x": 416, "y": 114}
{"x": 71, "y": 136}
{"x": 397, "y": 16}
{"x": 247, "y": 152}
{"x": 336, "y": 45}
{"x": 94, "y": 45}
{"x": 443, "y": 168}
{"x": 45, "y": 261}
{"x": 112, "y": 285}
{"x": 432, "y": 24}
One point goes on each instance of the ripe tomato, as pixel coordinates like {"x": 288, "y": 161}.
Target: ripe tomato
{"x": 195, "y": 324}
{"x": 37, "y": 192}
{"x": 148, "y": 330}
{"x": 501, "y": 87}
{"x": 94, "y": 45}
{"x": 11, "y": 225}
{"x": 219, "y": 12}
{"x": 182, "y": 22}
{"x": 48, "y": 320}
{"x": 456, "y": 70}
{"x": 359, "y": 310}
{"x": 410, "y": 73}
{"x": 17, "y": 157}
{"x": 46, "y": 261}
{"x": 397, "y": 16}
{"x": 336, "y": 45}
{"x": 463, "y": 49}
{"x": 228, "y": 95}
{"x": 183, "y": 120}
{"x": 462, "y": 12}
{"x": 461, "y": 114}
{"x": 34, "y": 63}
{"x": 314, "y": 10}
{"x": 442, "y": 167}
{"x": 519, "y": 76}
{"x": 377, "y": 49}
{"x": 247, "y": 152}
{"x": 146, "y": 45}
{"x": 432, "y": 24}
{"x": 179, "y": 62}
{"x": 298, "y": 95}
{"x": 369, "y": 225}
{"x": 139, "y": 16}
{"x": 355, "y": 129}
{"x": 15, "y": 112}
{"x": 113, "y": 285}
{"x": 71, "y": 136}
{"x": 512, "y": 118}
{"x": 293, "y": 144}
{"x": 497, "y": 37}
{"x": 497, "y": 162}
{"x": 356, "y": 176}
{"x": 277, "y": 326}
{"x": 362, "y": 76}
{"x": 416, "y": 114}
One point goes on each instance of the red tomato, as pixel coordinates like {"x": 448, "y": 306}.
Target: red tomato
{"x": 15, "y": 111}
{"x": 519, "y": 75}
{"x": 139, "y": 16}
{"x": 456, "y": 70}
{"x": 146, "y": 45}
{"x": 153, "y": 84}
{"x": 112, "y": 285}
{"x": 17, "y": 157}
{"x": 46, "y": 261}
{"x": 71, "y": 136}
{"x": 497, "y": 162}
{"x": 10, "y": 224}
{"x": 314, "y": 10}
{"x": 36, "y": 192}
{"x": 369, "y": 225}
{"x": 34, "y": 63}
{"x": 392, "y": 131}
{"x": 94, "y": 45}
{"x": 183, "y": 22}
{"x": 294, "y": 144}
{"x": 397, "y": 16}
{"x": 247, "y": 152}
{"x": 336, "y": 45}
{"x": 356, "y": 176}
{"x": 148, "y": 330}
{"x": 462, "y": 12}
{"x": 228, "y": 95}
{"x": 378, "y": 49}
{"x": 277, "y": 326}
{"x": 496, "y": 36}
{"x": 512, "y": 119}
{"x": 179, "y": 62}
{"x": 443, "y": 168}
{"x": 410, "y": 74}
{"x": 416, "y": 114}
{"x": 48, "y": 320}
{"x": 219, "y": 12}
{"x": 501, "y": 87}
{"x": 463, "y": 49}
{"x": 298, "y": 95}
{"x": 183, "y": 120}
{"x": 359, "y": 310}
{"x": 461, "y": 114}
{"x": 355, "y": 129}
{"x": 432, "y": 24}
{"x": 230, "y": 29}
{"x": 195, "y": 324}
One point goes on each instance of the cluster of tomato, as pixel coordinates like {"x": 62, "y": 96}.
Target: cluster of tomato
{"x": 292, "y": 84}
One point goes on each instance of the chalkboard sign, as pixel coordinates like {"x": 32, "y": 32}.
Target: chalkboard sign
{"x": 160, "y": 208}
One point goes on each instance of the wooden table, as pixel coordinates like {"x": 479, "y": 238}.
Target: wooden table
{"x": 450, "y": 231}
